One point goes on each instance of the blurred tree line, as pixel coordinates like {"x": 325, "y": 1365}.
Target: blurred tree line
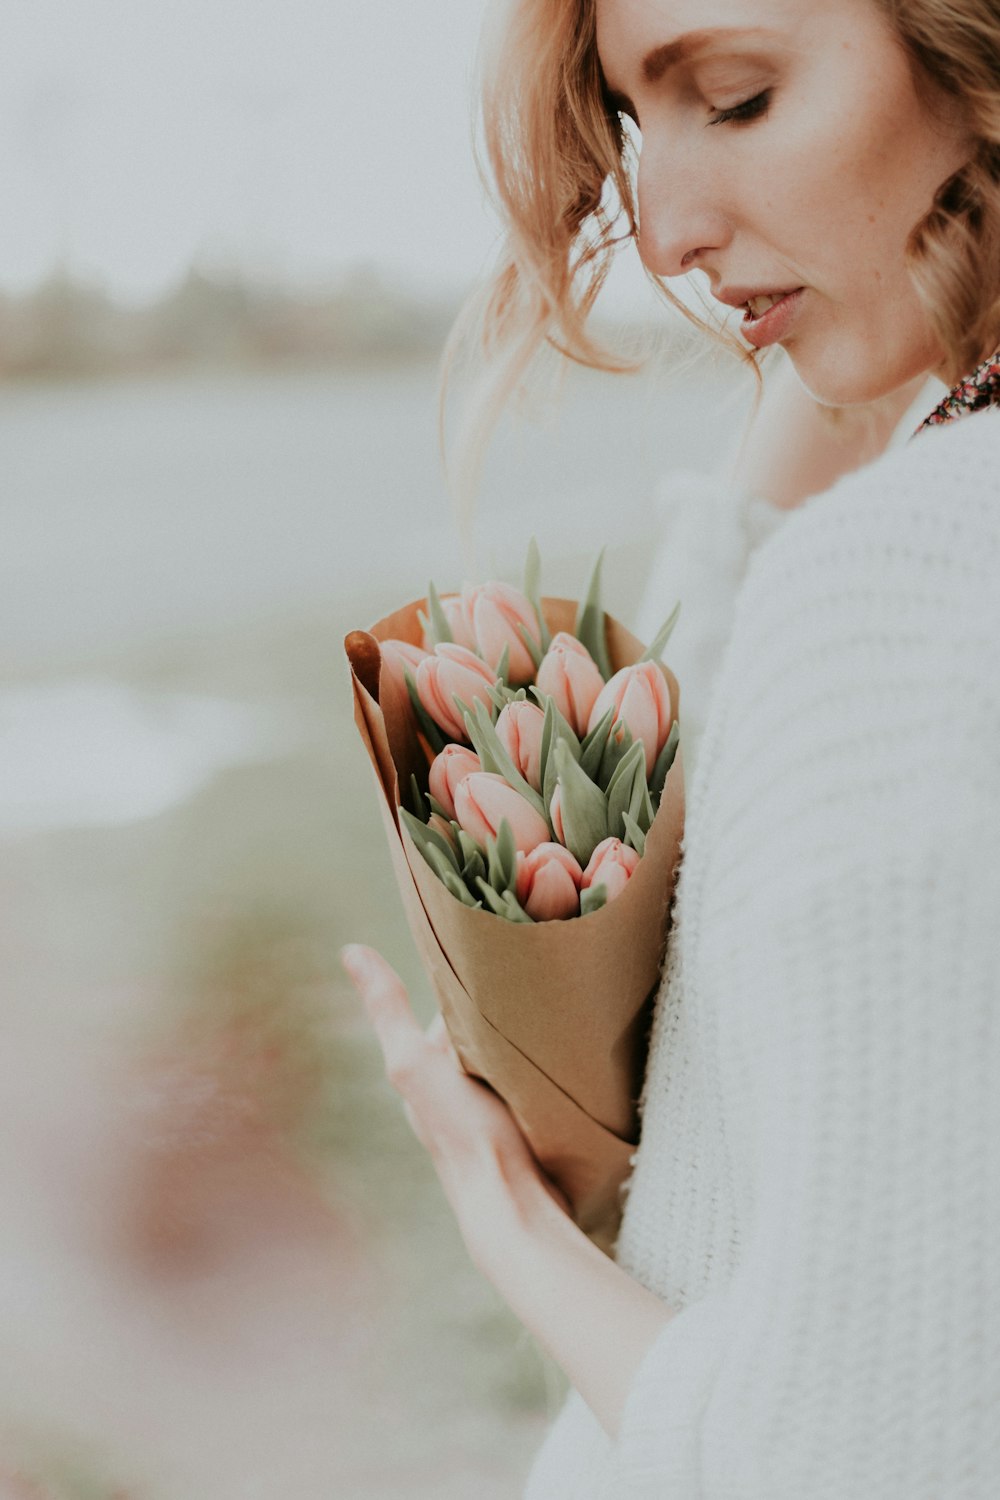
{"x": 68, "y": 328}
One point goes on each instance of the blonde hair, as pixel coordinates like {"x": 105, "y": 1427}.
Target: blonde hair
{"x": 562, "y": 166}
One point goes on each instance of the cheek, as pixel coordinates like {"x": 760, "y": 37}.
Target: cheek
{"x": 844, "y": 178}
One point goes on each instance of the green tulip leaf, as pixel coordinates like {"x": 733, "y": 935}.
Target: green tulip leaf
{"x": 418, "y": 802}
{"x": 591, "y": 623}
{"x": 440, "y": 629}
{"x": 634, "y": 835}
{"x": 452, "y": 883}
{"x": 513, "y": 910}
{"x": 505, "y": 905}
{"x": 533, "y": 648}
{"x": 533, "y": 592}
{"x": 625, "y": 790}
{"x": 428, "y": 728}
{"x": 665, "y": 760}
{"x": 592, "y": 749}
{"x": 584, "y": 807}
{"x": 618, "y": 745}
{"x": 592, "y": 899}
{"x": 666, "y": 630}
{"x": 503, "y": 666}
{"x": 428, "y": 839}
{"x": 501, "y": 859}
{"x": 507, "y": 854}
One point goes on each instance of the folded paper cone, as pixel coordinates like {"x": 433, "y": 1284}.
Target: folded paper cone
{"x": 554, "y": 1015}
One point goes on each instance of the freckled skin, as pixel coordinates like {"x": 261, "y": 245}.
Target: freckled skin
{"x": 821, "y": 191}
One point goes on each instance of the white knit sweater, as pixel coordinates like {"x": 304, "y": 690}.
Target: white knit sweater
{"x": 817, "y": 1190}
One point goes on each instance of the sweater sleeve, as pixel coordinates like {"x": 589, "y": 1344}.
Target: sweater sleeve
{"x": 846, "y": 965}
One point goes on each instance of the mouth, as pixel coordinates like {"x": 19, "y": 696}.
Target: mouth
{"x": 768, "y": 316}
{"x": 756, "y": 307}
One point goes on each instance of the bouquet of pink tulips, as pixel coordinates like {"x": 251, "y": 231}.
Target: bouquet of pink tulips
{"x": 526, "y": 752}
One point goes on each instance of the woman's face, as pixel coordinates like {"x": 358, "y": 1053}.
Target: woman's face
{"x": 785, "y": 150}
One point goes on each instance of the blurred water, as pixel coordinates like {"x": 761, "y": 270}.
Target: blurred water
{"x": 137, "y": 510}
{"x": 89, "y": 751}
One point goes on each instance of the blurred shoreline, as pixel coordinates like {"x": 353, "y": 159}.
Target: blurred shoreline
{"x": 67, "y": 328}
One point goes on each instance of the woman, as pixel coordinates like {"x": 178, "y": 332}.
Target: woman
{"x": 803, "y": 1298}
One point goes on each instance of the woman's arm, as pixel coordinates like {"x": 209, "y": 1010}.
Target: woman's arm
{"x": 594, "y": 1319}
{"x": 794, "y": 447}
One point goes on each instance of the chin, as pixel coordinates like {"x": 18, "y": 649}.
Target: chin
{"x": 857, "y": 378}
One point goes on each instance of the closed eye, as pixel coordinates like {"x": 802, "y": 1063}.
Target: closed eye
{"x": 750, "y": 109}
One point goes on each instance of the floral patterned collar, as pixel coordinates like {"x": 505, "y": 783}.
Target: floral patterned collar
{"x": 976, "y": 391}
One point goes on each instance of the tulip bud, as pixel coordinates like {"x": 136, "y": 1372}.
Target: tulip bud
{"x": 519, "y": 729}
{"x": 397, "y": 657}
{"x": 454, "y": 763}
{"x": 459, "y": 618}
{"x": 641, "y": 700}
{"x": 452, "y": 672}
{"x": 570, "y": 675}
{"x": 612, "y": 865}
{"x": 483, "y": 800}
{"x": 499, "y": 613}
{"x": 548, "y": 883}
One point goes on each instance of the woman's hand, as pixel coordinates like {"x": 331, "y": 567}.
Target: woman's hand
{"x": 595, "y": 1321}
{"x": 484, "y": 1164}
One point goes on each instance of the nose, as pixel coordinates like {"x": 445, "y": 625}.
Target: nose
{"x": 683, "y": 221}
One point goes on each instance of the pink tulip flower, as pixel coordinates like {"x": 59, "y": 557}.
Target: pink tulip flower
{"x": 519, "y": 729}
{"x": 548, "y": 883}
{"x": 641, "y": 700}
{"x": 570, "y": 675}
{"x": 454, "y": 763}
{"x": 483, "y": 800}
{"x": 612, "y": 865}
{"x": 397, "y": 655}
{"x": 498, "y": 611}
{"x": 453, "y": 671}
{"x": 459, "y": 617}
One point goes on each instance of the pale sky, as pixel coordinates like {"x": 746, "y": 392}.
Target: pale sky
{"x": 286, "y": 137}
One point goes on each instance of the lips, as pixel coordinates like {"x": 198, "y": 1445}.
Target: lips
{"x": 769, "y": 319}
{"x": 755, "y": 299}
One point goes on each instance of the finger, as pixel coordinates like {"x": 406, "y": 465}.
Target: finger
{"x": 388, "y": 1007}
{"x": 437, "y": 1034}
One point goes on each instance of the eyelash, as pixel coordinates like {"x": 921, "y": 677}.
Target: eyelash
{"x": 750, "y": 109}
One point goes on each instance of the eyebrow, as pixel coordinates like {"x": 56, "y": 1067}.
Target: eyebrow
{"x": 657, "y": 63}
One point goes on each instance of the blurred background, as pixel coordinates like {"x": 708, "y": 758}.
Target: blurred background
{"x": 234, "y": 237}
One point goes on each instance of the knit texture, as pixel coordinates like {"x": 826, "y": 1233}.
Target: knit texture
{"x": 817, "y": 1189}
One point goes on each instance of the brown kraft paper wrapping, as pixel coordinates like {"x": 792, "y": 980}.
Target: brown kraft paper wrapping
{"x": 553, "y": 1016}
